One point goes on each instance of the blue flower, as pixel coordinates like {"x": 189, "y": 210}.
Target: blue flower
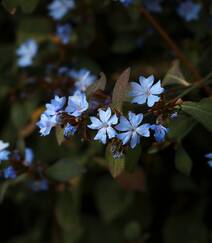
{"x": 55, "y": 106}
{"x": 126, "y": 2}
{"x": 29, "y": 156}
{"x": 159, "y": 132}
{"x": 59, "y": 8}
{"x": 132, "y": 130}
{"x": 64, "y": 33}
{"x": 209, "y": 156}
{"x": 69, "y": 130}
{"x": 153, "y": 5}
{"x": 46, "y": 123}
{"x": 4, "y": 154}
{"x": 26, "y": 52}
{"x": 9, "y": 173}
{"x": 189, "y": 10}
{"x": 174, "y": 115}
{"x": 77, "y": 104}
{"x": 146, "y": 91}
{"x": 39, "y": 185}
{"x": 83, "y": 78}
{"x": 104, "y": 125}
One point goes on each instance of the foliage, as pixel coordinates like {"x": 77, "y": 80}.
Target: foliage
{"x": 74, "y": 66}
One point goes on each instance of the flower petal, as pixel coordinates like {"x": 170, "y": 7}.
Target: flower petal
{"x": 124, "y": 137}
{"x": 124, "y": 124}
{"x": 111, "y": 132}
{"x": 143, "y": 130}
{"x": 134, "y": 119}
{"x": 101, "y": 135}
{"x": 135, "y": 139}
{"x": 96, "y": 123}
{"x": 105, "y": 115}
{"x": 152, "y": 99}
{"x": 157, "y": 89}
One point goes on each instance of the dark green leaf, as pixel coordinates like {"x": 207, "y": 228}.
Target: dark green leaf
{"x": 201, "y": 111}
{"x": 183, "y": 162}
{"x": 65, "y": 170}
{"x": 111, "y": 199}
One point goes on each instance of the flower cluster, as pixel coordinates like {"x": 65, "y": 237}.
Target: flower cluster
{"x": 110, "y": 125}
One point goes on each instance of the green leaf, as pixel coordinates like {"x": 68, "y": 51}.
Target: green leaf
{"x": 26, "y": 5}
{"x": 36, "y": 28}
{"x": 201, "y": 111}
{"x": 116, "y": 166}
{"x": 100, "y": 84}
{"x": 120, "y": 90}
{"x": 68, "y": 218}
{"x": 175, "y": 76}
{"x": 181, "y": 126}
{"x": 65, "y": 169}
{"x": 10, "y": 5}
{"x": 59, "y": 131}
{"x": 111, "y": 199}
{"x": 183, "y": 162}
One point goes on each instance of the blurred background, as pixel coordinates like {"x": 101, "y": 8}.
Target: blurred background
{"x": 153, "y": 200}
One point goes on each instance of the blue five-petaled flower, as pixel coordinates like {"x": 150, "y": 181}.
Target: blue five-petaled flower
{"x": 46, "y": 123}
{"x": 64, "y": 33}
{"x": 83, "y": 78}
{"x": 132, "y": 129}
{"x": 59, "y": 8}
{"x": 55, "y": 106}
{"x": 77, "y": 104}
{"x": 209, "y": 156}
{"x": 189, "y": 10}
{"x": 26, "y": 52}
{"x": 145, "y": 91}
{"x": 4, "y": 153}
{"x": 104, "y": 125}
{"x": 159, "y": 132}
{"x": 9, "y": 173}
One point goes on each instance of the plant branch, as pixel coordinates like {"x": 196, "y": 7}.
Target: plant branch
{"x": 174, "y": 47}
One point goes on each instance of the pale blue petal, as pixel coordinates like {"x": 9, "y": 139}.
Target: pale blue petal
{"x": 105, "y": 115}
{"x": 157, "y": 89}
{"x": 135, "y": 139}
{"x": 143, "y": 130}
{"x": 111, "y": 132}
{"x": 141, "y": 99}
{"x": 152, "y": 99}
{"x": 96, "y": 123}
{"x": 113, "y": 120}
{"x": 101, "y": 135}
{"x": 124, "y": 137}
{"x": 134, "y": 119}
{"x": 124, "y": 124}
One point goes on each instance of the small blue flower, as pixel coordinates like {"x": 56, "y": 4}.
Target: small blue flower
{"x": 26, "y": 52}
{"x": 39, "y": 185}
{"x": 126, "y": 2}
{"x": 64, "y": 33}
{"x": 69, "y": 130}
{"x": 4, "y": 153}
{"x": 132, "y": 130}
{"x": 59, "y": 8}
{"x": 104, "y": 125}
{"x": 55, "y": 106}
{"x": 189, "y": 10}
{"x": 153, "y": 5}
{"x": 77, "y": 104}
{"x": 9, "y": 173}
{"x": 46, "y": 123}
{"x": 29, "y": 156}
{"x": 146, "y": 91}
{"x": 209, "y": 156}
{"x": 174, "y": 115}
{"x": 83, "y": 78}
{"x": 159, "y": 132}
